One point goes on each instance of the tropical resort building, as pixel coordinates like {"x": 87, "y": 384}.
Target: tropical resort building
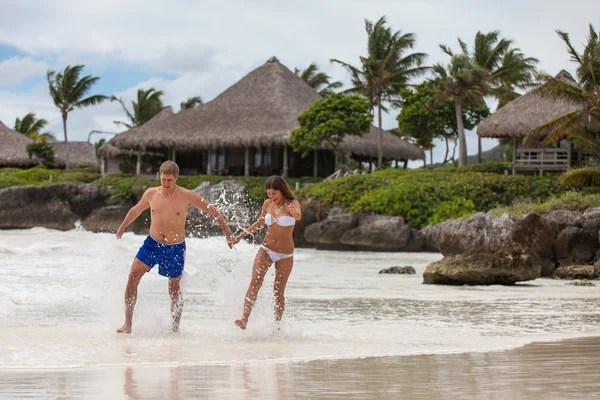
{"x": 519, "y": 117}
{"x": 245, "y": 131}
{"x": 13, "y": 152}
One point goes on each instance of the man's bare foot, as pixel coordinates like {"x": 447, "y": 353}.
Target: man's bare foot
{"x": 124, "y": 329}
{"x": 240, "y": 323}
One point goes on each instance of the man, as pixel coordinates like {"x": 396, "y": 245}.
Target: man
{"x": 165, "y": 245}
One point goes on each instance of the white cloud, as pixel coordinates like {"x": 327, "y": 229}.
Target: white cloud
{"x": 16, "y": 70}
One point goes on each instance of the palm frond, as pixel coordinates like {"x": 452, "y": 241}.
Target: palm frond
{"x": 580, "y": 176}
{"x": 555, "y": 129}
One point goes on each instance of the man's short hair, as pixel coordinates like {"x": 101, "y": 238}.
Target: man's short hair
{"x": 169, "y": 168}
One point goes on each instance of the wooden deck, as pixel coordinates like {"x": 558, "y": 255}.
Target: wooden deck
{"x": 549, "y": 160}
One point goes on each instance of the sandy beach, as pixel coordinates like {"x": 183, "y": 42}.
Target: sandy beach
{"x": 553, "y": 370}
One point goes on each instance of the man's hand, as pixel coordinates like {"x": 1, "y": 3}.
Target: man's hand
{"x": 231, "y": 240}
{"x": 120, "y": 232}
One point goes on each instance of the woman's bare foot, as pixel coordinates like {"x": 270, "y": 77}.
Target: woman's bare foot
{"x": 240, "y": 323}
{"x": 124, "y": 329}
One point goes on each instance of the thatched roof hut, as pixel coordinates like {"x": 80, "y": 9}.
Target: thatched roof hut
{"x": 261, "y": 109}
{"x": 12, "y": 149}
{"x": 519, "y": 117}
{"x": 79, "y": 153}
{"x": 110, "y": 150}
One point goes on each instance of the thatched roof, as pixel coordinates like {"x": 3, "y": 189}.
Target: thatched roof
{"x": 261, "y": 109}
{"x": 522, "y": 115}
{"x": 79, "y": 153}
{"x": 12, "y": 149}
{"x": 110, "y": 150}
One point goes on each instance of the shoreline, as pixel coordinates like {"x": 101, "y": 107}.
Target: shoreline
{"x": 558, "y": 369}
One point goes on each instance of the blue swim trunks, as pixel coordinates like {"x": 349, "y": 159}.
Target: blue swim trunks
{"x": 169, "y": 257}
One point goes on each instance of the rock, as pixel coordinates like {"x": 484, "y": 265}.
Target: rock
{"x": 432, "y": 234}
{"x": 563, "y": 218}
{"x": 576, "y": 272}
{"x": 590, "y": 221}
{"x": 377, "y": 232}
{"x": 504, "y": 233}
{"x": 575, "y": 245}
{"x": 398, "y": 270}
{"x": 483, "y": 268}
{"x": 329, "y": 231}
{"x": 109, "y": 218}
{"x": 581, "y": 283}
{"x": 52, "y": 206}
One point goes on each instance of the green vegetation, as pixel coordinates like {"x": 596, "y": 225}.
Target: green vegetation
{"x": 42, "y": 176}
{"x": 570, "y": 200}
{"x": 429, "y": 196}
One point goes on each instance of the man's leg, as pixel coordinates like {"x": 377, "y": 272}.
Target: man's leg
{"x": 176, "y": 302}
{"x": 138, "y": 269}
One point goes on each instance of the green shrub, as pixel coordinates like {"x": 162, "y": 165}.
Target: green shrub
{"x": 571, "y": 200}
{"x": 427, "y": 196}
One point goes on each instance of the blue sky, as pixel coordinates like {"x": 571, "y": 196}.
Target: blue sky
{"x": 190, "y": 48}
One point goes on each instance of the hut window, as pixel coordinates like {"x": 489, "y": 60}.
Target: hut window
{"x": 262, "y": 156}
{"x": 217, "y": 159}
{"x": 257, "y": 157}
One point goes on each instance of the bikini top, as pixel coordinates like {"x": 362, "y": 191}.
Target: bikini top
{"x": 284, "y": 220}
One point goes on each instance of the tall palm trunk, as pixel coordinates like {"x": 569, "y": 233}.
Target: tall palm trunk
{"x": 379, "y": 135}
{"x": 64, "y": 118}
{"x": 447, "y": 150}
{"x": 462, "y": 141}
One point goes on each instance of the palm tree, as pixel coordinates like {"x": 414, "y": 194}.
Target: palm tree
{"x": 581, "y": 126}
{"x": 467, "y": 83}
{"x": 148, "y": 104}
{"x": 319, "y": 81}
{"x": 31, "y": 126}
{"x": 68, "y": 91}
{"x": 493, "y": 68}
{"x": 385, "y": 70}
{"x": 191, "y": 102}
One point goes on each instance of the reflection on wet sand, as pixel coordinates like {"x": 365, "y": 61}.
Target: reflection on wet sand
{"x": 556, "y": 370}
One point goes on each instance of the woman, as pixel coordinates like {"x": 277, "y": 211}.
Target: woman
{"x": 280, "y": 213}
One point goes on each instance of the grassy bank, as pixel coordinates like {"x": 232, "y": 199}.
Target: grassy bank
{"x": 428, "y": 196}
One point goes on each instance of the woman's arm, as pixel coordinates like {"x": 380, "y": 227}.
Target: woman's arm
{"x": 294, "y": 208}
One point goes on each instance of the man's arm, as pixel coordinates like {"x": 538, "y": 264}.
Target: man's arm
{"x": 134, "y": 212}
{"x": 205, "y": 206}
{"x": 258, "y": 225}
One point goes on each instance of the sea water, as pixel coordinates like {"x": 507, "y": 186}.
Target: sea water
{"x": 61, "y": 300}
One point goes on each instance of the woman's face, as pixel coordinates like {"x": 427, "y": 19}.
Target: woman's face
{"x": 275, "y": 195}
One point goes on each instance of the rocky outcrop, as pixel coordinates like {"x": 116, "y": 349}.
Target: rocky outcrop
{"x": 109, "y": 218}
{"x": 481, "y": 268}
{"x": 362, "y": 231}
{"x": 53, "y": 206}
{"x": 399, "y": 270}
{"x": 576, "y": 272}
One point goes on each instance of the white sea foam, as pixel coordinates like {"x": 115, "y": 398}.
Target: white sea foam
{"x": 61, "y": 299}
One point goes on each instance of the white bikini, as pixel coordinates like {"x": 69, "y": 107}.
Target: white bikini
{"x": 284, "y": 220}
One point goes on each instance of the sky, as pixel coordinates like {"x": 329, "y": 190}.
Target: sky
{"x": 199, "y": 48}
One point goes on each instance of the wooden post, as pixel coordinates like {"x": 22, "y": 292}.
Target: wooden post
{"x": 247, "y": 162}
{"x": 138, "y": 164}
{"x": 208, "y": 163}
{"x": 514, "y": 154}
{"x": 174, "y": 155}
{"x": 102, "y": 166}
{"x": 478, "y": 149}
{"x": 569, "y": 153}
{"x": 285, "y": 160}
{"x": 316, "y": 164}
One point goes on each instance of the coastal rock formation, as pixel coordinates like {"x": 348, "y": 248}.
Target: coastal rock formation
{"x": 362, "y": 231}
{"x": 399, "y": 270}
{"x": 576, "y": 272}
{"x": 483, "y": 268}
{"x": 109, "y": 218}
{"x": 53, "y": 206}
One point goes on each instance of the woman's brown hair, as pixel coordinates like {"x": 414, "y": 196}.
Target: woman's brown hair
{"x": 276, "y": 182}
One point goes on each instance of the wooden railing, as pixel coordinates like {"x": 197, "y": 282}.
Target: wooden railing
{"x": 549, "y": 159}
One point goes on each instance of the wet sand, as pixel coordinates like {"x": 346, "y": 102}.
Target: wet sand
{"x": 567, "y": 369}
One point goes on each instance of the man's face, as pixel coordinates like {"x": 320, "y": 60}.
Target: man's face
{"x": 168, "y": 181}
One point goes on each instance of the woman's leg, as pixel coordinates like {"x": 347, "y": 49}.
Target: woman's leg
{"x": 283, "y": 269}
{"x": 262, "y": 262}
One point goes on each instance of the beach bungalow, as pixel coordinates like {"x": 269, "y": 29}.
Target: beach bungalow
{"x": 246, "y": 130}
{"x": 80, "y": 153}
{"x": 13, "y": 151}
{"x": 519, "y": 117}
